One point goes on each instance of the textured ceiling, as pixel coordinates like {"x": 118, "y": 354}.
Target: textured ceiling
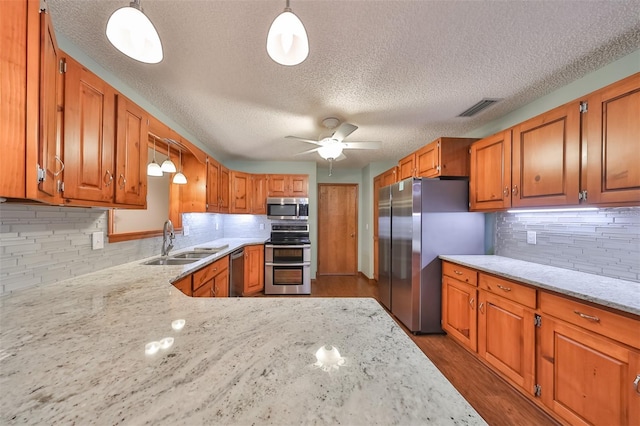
{"x": 399, "y": 70}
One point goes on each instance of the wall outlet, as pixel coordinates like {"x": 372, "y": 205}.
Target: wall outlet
{"x": 185, "y": 230}
{"x": 261, "y": 226}
{"x": 217, "y": 226}
{"x": 531, "y": 237}
{"x": 97, "y": 240}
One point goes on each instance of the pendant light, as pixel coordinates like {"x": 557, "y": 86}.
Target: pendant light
{"x": 287, "y": 41}
{"x": 132, "y": 33}
{"x": 179, "y": 178}
{"x": 167, "y": 165}
{"x": 153, "y": 168}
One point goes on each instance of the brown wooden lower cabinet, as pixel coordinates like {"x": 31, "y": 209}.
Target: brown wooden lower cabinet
{"x": 253, "y": 269}
{"x": 578, "y": 361}
{"x": 210, "y": 281}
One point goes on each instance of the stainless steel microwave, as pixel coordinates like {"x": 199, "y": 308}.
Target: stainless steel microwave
{"x": 288, "y": 208}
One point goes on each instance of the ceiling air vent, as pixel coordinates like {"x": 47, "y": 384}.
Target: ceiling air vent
{"x": 480, "y": 106}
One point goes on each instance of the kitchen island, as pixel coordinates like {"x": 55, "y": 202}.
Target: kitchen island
{"x": 123, "y": 346}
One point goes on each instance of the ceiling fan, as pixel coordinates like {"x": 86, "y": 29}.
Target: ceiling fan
{"x": 331, "y": 147}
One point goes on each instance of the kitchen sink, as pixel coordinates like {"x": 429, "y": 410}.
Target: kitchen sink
{"x": 210, "y": 250}
{"x": 170, "y": 261}
{"x": 192, "y": 255}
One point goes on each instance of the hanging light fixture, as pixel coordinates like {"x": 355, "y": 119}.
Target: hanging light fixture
{"x": 179, "y": 178}
{"x": 330, "y": 150}
{"x": 287, "y": 41}
{"x": 167, "y": 165}
{"x": 153, "y": 168}
{"x": 132, "y": 33}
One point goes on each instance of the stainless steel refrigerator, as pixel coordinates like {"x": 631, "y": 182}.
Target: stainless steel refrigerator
{"x": 418, "y": 220}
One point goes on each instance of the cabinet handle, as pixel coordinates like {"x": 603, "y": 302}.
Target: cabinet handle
{"x": 506, "y": 191}
{"x": 122, "y": 181}
{"x": 481, "y": 307}
{"x": 457, "y": 272}
{"x": 635, "y": 384}
{"x": 108, "y": 182}
{"x": 472, "y": 301}
{"x": 213, "y": 291}
{"x": 504, "y": 288}
{"x": 514, "y": 191}
{"x": 61, "y": 163}
{"x": 587, "y": 317}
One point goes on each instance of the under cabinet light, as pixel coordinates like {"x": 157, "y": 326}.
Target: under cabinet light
{"x": 559, "y": 210}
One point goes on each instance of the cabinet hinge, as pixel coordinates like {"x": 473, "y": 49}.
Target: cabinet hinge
{"x": 582, "y": 195}
{"x": 41, "y": 174}
{"x": 584, "y": 106}
{"x": 62, "y": 66}
{"x": 438, "y": 145}
{"x": 537, "y": 390}
{"x": 60, "y": 186}
{"x": 537, "y": 320}
{"x": 438, "y": 168}
{"x": 43, "y": 6}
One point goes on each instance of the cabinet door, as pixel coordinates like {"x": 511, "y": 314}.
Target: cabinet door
{"x": 490, "y": 179}
{"x": 89, "y": 136}
{"x": 407, "y": 167}
{"x": 298, "y": 186}
{"x": 213, "y": 185}
{"x": 184, "y": 285}
{"x": 240, "y": 191}
{"x": 613, "y": 144}
{"x": 506, "y": 338}
{"x": 459, "y": 311}
{"x": 221, "y": 283}
{"x": 277, "y": 185}
{"x": 428, "y": 160}
{"x": 259, "y": 194}
{"x": 545, "y": 170}
{"x": 51, "y": 115}
{"x": 205, "y": 290}
{"x": 253, "y": 269}
{"x": 389, "y": 177}
{"x": 223, "y": 188}
{"x": 587, "y": 378}
{"x": 131, "y": 154}
{"x": 193, "y": 195}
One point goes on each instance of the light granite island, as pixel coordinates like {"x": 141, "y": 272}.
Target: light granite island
{"x": 123, "y": 346}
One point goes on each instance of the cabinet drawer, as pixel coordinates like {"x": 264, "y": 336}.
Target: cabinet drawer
{"x": 509, "y": 290}
{"x": 207, "y": 273}
{"x": 609, "y": 324}
{"x": 460, "y": 273}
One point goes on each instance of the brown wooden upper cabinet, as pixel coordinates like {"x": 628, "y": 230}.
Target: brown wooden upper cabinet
{"x": 288, "y": 185}
{"x": 218, "y": 181}
{"x": 548, "y": 163}
{"x": 537, "y": 163}
{"x": 442, "y": 157}
{"x": 105, "y": 143}
{"x": 612, "y": 133}
{"x": 259, "y": 194}
{"x": 240, "y": 192}
{"x": 31, "y": 107}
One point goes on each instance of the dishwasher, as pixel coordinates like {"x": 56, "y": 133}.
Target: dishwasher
{"x": 236, "y": 280}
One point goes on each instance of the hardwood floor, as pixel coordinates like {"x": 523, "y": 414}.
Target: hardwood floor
{"x": 492, "y": 397}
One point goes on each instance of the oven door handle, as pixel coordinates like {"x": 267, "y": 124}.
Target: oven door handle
{"x": 288, "y": 264}
{"x": 288, "y": 246}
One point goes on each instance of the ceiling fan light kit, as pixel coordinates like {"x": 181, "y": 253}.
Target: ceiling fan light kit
{"x": 131, "y": 32}
{"x": 287, "y": 42}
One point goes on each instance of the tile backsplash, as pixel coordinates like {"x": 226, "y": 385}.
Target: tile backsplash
{"x": 45, "y": 244}
{"x": 604, "y": 242}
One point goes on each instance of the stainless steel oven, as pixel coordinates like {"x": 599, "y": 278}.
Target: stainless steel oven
{"x": 287, "y": 257}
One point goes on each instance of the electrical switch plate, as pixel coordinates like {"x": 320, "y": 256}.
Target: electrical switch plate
{"x": 217, "y": 226}
{"x": 531, "y": 237}
{"x": 185, "y": 230}
{"x": 97, "y": 240}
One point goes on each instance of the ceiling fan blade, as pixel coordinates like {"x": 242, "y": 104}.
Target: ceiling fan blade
{"x": 307, "y": 152}
{"x": 302, "y": 139}
{"x": 340, "y": 157}
{"x": 362, "y": 145}
{"x": 344, "y": 130}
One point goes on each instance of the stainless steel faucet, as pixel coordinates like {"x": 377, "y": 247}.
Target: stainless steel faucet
{"x": 167, "y": 234}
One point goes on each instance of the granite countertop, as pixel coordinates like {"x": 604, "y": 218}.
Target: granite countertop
{"x": 614, "y": 293}
{"x": 82, "y": 352}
